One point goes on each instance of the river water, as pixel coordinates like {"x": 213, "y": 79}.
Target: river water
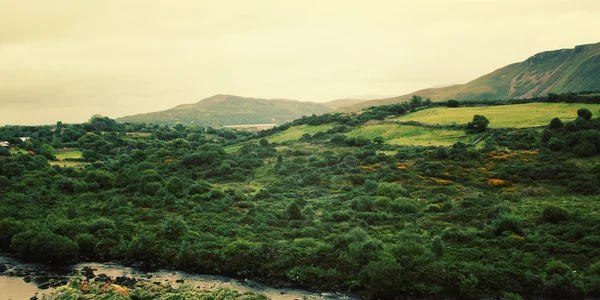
{"x": 15, "y": 288}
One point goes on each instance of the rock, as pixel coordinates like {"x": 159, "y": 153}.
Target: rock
{"x": 282, "y": 292}
{"x": 45, "y": 285}
{"x": 102, "y": 278}
{"x": 88, "y": 272}
{"x": 27, "y": 278}
{"x": 33, "y": 298}
{"x": 126, "y": 281}
{"x": 180, "y": 281}
{"x": 157, "y": 282}
{"x": 3, "y": 268}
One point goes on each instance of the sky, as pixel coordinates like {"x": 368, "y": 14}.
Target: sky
{"x": 69, "y": 59}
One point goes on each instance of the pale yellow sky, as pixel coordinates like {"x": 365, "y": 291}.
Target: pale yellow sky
{"x": 68, "y": 59}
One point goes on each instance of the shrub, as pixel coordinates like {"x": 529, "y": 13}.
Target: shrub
{"x": 508, "y": 222}
{"x": 173, "y": 228}
{"x": 557, "y": 267}
{"x": 405, "y": 206}
{"x": 452, "y": 103}
{"x": 44, "y": 246}
{"x": 391, "y": 190}
{"x": 584, "y": 113}
{"x": 554, "y": 214}
{"x": 594, "y": 269}
{"x": 556, "y": 123}
{"x": 293, "y": 211}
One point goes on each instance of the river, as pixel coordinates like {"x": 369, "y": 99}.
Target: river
{"x": 15, "y": 288}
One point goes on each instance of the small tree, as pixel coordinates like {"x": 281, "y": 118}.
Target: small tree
{"x": 263, "y": 142}
{"x": 556, "y": 123}
{"x": 293, "y": 212}
{"x": 479, "y": 123}
{"x": 452, "y": 103}
{"x": 584, "y": 113}
{"x": 416, "y": 101}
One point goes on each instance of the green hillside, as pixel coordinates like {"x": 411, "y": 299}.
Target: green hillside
{"x": 356, "y": 203}
{"x": 560, "y": 71}
{"x": 221, "y": 110}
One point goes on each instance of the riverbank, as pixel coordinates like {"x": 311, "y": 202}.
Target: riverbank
{"x": 23, "y": 281}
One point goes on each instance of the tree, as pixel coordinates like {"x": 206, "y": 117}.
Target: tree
{"x": 378, "y": 140}
{"x": 263, "y": 142}
{"x": 584, "y": 113}
{"x": 556, "y": 123}
{"x": 293, "y": 211}
{"x": 47, "y": 151}
{"x": 416, "y": 101}
{"x": 479, "y": 123}
{"x": 452, "y": 103}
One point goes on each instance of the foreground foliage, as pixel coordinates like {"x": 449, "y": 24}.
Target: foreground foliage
{"x": 516, "y": 214}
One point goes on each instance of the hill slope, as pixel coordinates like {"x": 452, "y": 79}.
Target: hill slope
{"x": 560, "y": 71}
{"x": 222, "y": 110}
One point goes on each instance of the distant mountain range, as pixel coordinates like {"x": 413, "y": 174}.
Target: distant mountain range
{"x": 560, "y": 71}
{"x": 222, "y": 110}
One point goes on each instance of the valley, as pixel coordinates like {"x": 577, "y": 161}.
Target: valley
{"x": 381, "y": 203}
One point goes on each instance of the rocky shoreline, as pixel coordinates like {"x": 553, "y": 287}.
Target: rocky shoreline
{"x": 47, "y": 279}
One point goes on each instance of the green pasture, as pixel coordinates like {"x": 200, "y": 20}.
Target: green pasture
{"x": 410, "y": 135}
{"x": 518, "y": 115}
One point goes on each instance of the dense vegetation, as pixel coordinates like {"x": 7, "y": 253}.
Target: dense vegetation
{"x": 515, "y": 214}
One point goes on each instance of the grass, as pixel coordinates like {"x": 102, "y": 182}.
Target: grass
{"x": 410, "y": 135}
{"x": 72, "y": 154}
{"x": 296, "y": 132}
{"x": 519, "y": 115}
{"x": 67, "y": 164}
{"x": 15, "y": 151}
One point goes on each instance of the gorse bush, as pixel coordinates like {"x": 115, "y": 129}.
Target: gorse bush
{"x": 555, "y": 214}
{"x": 508, "y": 222}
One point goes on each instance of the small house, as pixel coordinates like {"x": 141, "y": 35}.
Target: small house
{"x": 25, "y": 139}
{"x": 4, "y": 144}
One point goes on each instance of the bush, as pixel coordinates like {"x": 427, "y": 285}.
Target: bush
{"x": 556, "y": 123}
{"x": 391, "y": 190}
{"x": 557, "y": 267}
{"x": 44, "y": 246}
{"x": 584, "y": 113}
{"x": 594, "y": 269}
{"x": 452, "y": 103}
{"x": 508, "y": 222}
{"x": 404, "y": 206}
{"x": 554, "y": 214}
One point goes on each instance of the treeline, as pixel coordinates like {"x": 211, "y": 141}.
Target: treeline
{"x": 591, "y": 97}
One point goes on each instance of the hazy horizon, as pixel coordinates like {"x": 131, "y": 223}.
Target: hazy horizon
{"x": 67, "y": 59}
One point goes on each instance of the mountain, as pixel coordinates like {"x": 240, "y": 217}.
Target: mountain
{"x": 342, "y": 102}
{"x": 221, "y": 110}
{"x": 559, "y": 71}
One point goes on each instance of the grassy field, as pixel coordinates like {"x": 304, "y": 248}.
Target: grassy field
{"x": 294, "y": 133}
{"x": 410, "y": 135}
{"x": 520, "y": 115}
{"x": 74, "y": 154}
{"x": 65, "y": 164}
